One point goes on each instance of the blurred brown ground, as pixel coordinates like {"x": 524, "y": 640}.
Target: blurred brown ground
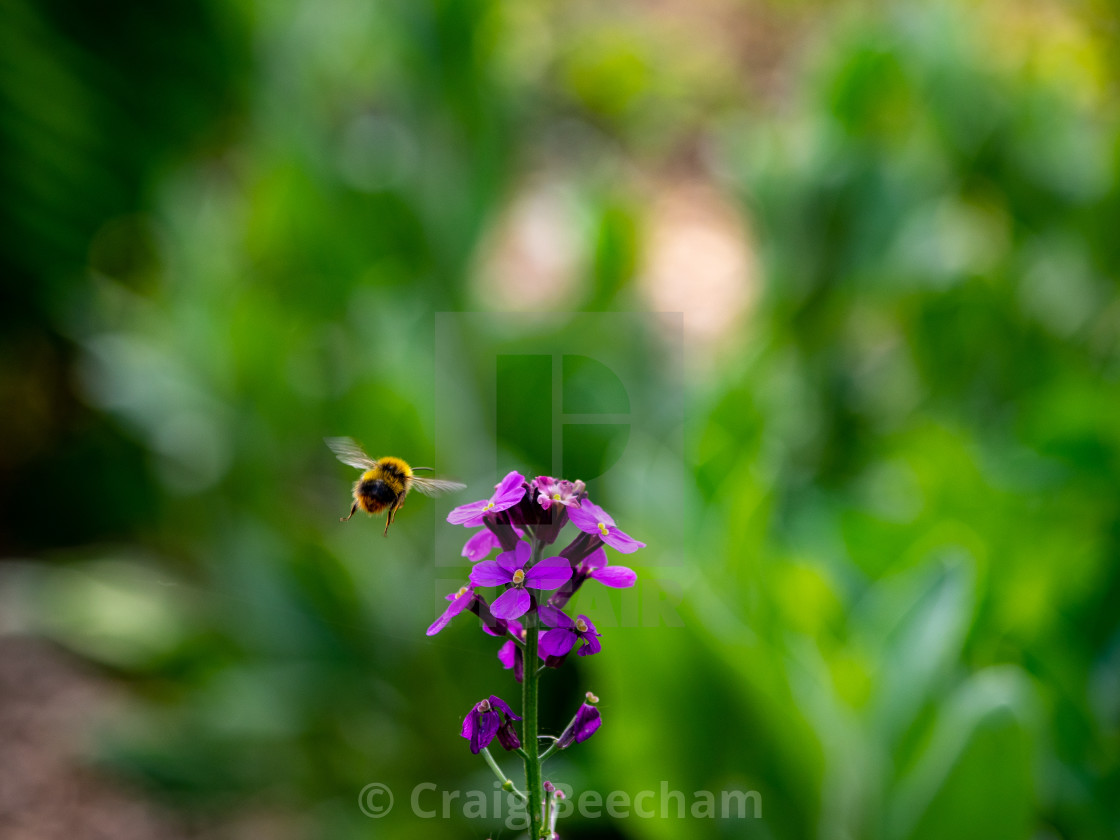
{"x": 49, "y": 706}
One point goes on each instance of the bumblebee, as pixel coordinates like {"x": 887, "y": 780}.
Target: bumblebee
{"x": 385, "y": 481}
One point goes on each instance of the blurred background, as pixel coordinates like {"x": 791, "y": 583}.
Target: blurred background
{"x": 891, "y": 228}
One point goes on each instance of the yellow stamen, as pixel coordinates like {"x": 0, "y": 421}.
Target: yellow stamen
{"x": 488, "y": 506}
{"x": 462, "y": 591}
{"x": 519, "y": 576}
{"x": 581, "y": 625}
{"x": 603, "y": 529}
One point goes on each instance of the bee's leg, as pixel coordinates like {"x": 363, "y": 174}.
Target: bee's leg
{"x": 353, "y": 508}
{"x": 389, "y": 519}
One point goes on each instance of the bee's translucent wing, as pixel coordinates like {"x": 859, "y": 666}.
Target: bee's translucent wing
{"x": 349, "y": 452}
{"x": 435, "y": 486}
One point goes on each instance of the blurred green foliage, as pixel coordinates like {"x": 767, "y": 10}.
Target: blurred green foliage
{"x": 227, "y": 228}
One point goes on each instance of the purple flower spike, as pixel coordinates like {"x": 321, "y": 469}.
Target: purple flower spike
{"x": 592, "y": 519}
{"x": 558, "y": 641}
{"x": 583, "y": 725}
{"x": 485, "y": 721}
{"x": 507, "y": 493}
{"x": 509, "y": 569}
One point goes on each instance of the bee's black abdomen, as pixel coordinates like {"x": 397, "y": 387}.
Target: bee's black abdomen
{"x": 377, "y": 491}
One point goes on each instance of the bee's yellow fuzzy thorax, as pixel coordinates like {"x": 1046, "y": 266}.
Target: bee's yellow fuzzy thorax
{"x": 400, "y": 465}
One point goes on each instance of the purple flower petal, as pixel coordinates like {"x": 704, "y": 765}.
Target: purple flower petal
{"x": 549, "y": 573}
{"x": 509, "y": 491}
{"x": 584, "y": 518}
{"x": 507, "y": 736}
{"x": 591, "y": 644}
{"x": 553, "y": 617}
{"x": 597, "y": 559}
{"x": 469, "y": 723}
{"x": 513, "y": 603}
{"x": 469, "y": 514}
{"x": 592, "y": 519}
{"x": 557, "y": 642}
{"x": 599, "y": 514}
{"x": 498, "y": 703}
{"x": 490, "y": 573}
{"x": 588, "y": 720}
{"x": 510, "y": 655}
{"x": 588, "y": 516}
{"x": 620, "y": 541}
{"x": 461, "y": 601}
{"x": 511, "y": 561}
{"x": 480, "y": 545}
{"x": 485, "y": 730}
{"x": 618, "y": 577}
{"x": 582, "y": 727}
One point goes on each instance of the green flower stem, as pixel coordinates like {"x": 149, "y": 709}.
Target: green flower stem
{"x": 551, "y": 749}
{"x": 507, "y": 783}
{"x": 530, "y": 743}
